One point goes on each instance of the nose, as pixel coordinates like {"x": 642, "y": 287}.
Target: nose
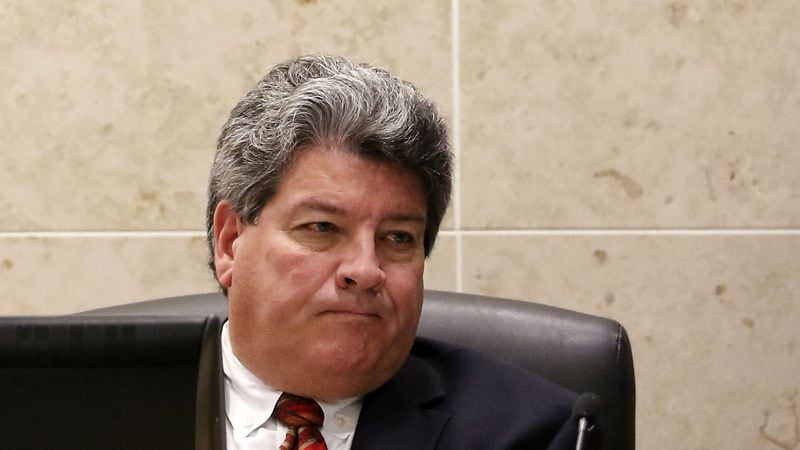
{"x": 360, "y": 267}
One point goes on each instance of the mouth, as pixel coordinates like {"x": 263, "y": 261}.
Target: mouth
{"x": 349, "y": 313}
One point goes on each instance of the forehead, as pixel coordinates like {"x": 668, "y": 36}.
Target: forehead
{"x": 337, "y": 174}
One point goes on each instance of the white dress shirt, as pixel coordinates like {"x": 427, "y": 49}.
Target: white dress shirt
{"x": 249, "y": 404}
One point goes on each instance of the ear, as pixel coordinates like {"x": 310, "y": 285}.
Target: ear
{"x": 227, "y": 229}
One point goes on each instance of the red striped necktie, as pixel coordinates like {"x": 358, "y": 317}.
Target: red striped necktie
{"x": 304, "y": 417}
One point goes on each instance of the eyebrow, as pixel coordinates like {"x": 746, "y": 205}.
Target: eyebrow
{"x": 314, "y": 204}
{"x": 319, "y": 205}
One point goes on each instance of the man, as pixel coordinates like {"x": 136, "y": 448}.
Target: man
{"x": 326, "y": 195}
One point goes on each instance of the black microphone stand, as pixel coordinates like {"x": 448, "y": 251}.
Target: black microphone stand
{"x": 585, "y": 411}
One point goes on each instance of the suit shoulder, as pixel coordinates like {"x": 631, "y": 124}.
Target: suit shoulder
{"x": 464, "y": 368}
{"x": 482, "y": 393}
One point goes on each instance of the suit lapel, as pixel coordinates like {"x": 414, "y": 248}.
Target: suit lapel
{"x": 400, "y": 414}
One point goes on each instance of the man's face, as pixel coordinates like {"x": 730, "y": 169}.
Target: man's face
{"x": 325, "y": 291}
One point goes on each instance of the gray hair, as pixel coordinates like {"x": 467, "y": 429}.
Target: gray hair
{"x": 327, "y": 100}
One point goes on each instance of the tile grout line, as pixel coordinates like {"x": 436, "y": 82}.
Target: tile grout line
{"x": 102, "y": 234}
{"x": 628, "y": 232}
{"x": 456, "y": 127}
{"x": 449, "y": 233}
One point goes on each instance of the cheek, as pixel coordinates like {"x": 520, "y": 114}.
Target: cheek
{"x": 406, "y": 289}
{"x": 303, "y": 272}
{"x": 278, "y": 278}
{"x": 286, "y": 266}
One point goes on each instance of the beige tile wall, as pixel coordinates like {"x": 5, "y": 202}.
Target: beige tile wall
{"x": 636, "y": 160}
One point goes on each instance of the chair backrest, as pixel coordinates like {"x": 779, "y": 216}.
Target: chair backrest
{"x": 582, "y": 352}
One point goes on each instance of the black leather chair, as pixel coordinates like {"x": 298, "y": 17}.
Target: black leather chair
{"x": 582, "y": 352}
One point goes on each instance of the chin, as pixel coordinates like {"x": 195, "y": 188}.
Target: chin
{"x": 327, "y": 385}
{"x": 336, "y": 388}
{"x": 341, "y": 363}
{"x": 349, "y": 375}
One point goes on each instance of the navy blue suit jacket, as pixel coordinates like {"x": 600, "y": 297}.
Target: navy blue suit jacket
{"x": 447, "y": 398}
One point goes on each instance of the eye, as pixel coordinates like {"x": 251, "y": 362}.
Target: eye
{"x": 317, "y": 236}
{"x": 401, "y": 237}
{"x": 321, "y": 227}
{"x": 399, "y": 245}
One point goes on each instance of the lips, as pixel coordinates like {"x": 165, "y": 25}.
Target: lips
{"x": 355, "y": 306}
{"x": 352, "y": 312}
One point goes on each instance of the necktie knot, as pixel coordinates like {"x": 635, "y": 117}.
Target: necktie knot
{"x": 303, "y": 416}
